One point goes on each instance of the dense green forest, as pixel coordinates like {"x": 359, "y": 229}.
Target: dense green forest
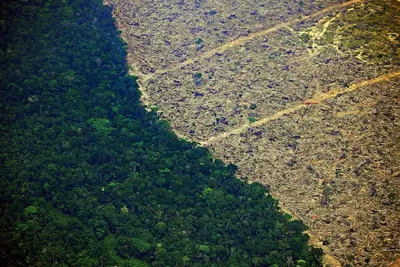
{"x": 89, "y": 178}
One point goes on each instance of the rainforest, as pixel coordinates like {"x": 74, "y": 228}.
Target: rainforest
{"x": 89, "y": 177}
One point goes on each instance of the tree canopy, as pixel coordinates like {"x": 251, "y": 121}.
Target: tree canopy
{"x": 89, "y": 178}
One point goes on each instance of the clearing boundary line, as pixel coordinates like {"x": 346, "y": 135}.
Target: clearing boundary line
{"x": 244, "y": 39}
{"x": 317, "y": 99}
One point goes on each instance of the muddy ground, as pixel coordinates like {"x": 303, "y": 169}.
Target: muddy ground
{"x": 302, "y": 95}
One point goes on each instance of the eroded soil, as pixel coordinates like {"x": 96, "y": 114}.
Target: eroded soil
{"x": 302, "y": 95}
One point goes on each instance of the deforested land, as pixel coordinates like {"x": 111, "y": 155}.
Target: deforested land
{"x": 88, "y": 177}
{"x": 302, "y": 95}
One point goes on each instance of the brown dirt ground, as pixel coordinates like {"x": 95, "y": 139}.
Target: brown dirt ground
{"x": 301, "y": 95}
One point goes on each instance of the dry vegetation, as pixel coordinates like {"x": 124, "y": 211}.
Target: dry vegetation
{"x": 302, "y": 95}
{"x": 336, "y": 166}
{"x": 179, "y": 30}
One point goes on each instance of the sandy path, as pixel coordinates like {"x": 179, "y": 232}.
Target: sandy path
{"x": 317, "y": 99}
{"x": 242, "y": 40}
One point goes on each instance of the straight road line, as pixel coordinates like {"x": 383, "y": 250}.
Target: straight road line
{"x": 317, "y": 99}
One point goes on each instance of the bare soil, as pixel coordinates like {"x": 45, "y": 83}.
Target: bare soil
{"x": 302, "y": 95}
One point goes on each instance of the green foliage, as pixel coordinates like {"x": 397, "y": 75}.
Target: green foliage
{"x": 30, "y": 210}
{"x": 252, "y": 119}
{"x": 89, "y": 178}
{"x": 133, "y": 263}
{"x": 203, "y": 248}
{"x": 102, "y": 126}
{"x": 301, "y": 263}
{"x": 141, "y": 245}
{"x": 207, "y": 191}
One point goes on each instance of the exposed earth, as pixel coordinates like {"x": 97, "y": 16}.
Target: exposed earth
{"x": 302, "y": 95}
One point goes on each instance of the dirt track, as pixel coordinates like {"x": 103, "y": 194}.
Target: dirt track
{"x": 302, "y": 96}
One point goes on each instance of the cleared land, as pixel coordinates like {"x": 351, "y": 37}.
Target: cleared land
{"x": 302, "y": 95}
